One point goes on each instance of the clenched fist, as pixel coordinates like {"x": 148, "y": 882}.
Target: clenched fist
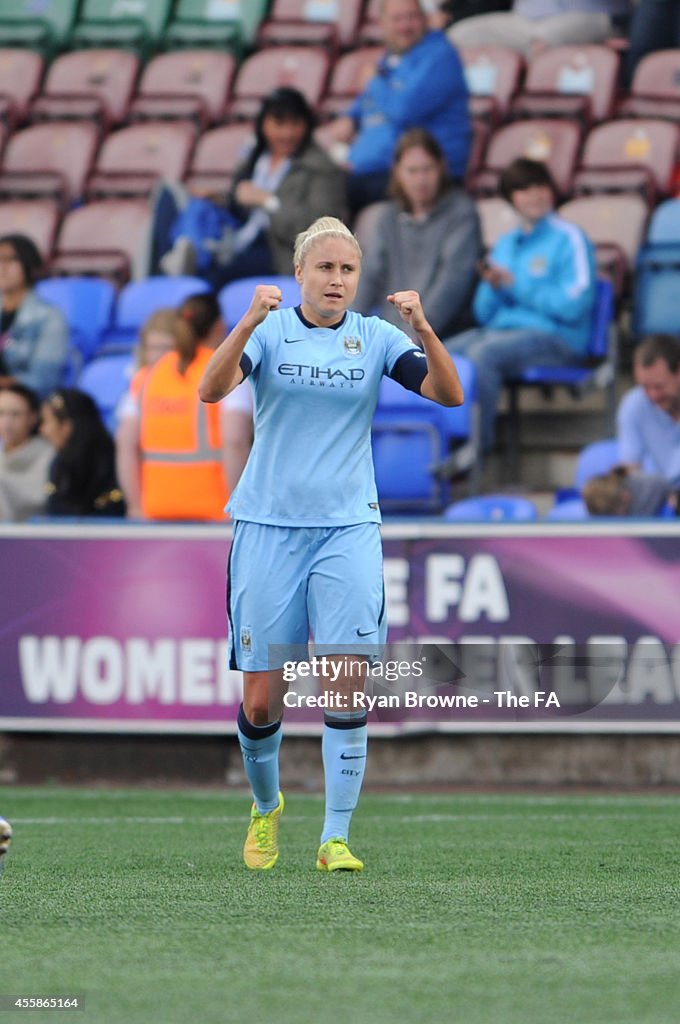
{"x": 410, "y": 308}
{"x": 265, "y": 298}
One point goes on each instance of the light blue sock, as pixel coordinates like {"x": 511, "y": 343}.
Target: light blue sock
{"x": 260, "y": 749}
{"x": 345, "y": 739}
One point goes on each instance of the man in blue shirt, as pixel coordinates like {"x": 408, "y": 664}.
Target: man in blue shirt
{"x": 648, "y": 420}
{"x": 418, "y": 83}
{"x": 536, "y": 297}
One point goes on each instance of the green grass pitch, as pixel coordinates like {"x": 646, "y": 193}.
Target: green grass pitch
{"x": 478, "y": 909}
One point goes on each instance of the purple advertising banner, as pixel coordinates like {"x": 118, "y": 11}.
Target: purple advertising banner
{"x": 556, "y": 628}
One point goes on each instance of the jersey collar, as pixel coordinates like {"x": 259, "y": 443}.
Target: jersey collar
{"x": 307, "y": 323}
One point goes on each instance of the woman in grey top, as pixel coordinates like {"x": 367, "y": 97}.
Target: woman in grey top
{"x": 427, "y": 234}
{"x": 24, "y": 457}
{"x": 33, "y": 333}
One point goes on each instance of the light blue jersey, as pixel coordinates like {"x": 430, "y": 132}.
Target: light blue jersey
{"x": 316, "y": 389}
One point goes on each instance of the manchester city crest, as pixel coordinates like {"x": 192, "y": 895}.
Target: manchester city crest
{"x": 352, "y": 346}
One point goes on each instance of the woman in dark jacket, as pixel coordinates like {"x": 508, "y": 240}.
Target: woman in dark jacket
{"x": 82, "y": 478}
{"x": 286, "y": 181}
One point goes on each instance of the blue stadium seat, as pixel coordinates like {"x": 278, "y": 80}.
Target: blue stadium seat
{"x": 598, "y": 371}
{"x": 572, "y": 510}
{"x": 419, "y": 446}
{"x": 235, "y": 297}
{"x": 106, "y": 379}
{"x": 493, "y": 508}
{"x": 657, "y": 274}
{"x": 87, "y": 304}
{"x": 138, "y": 300}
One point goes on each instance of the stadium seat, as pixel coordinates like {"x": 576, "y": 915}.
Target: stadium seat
{"x": 235, "y": 297}
{"x": 370, "y": 30}
{"x": 138, "y": 25}
{"x": 492, "y": 74}
{"x": 137, "y": 300}
{"x": 629, "y": 155}
{"x": 655, "y": 89}
{"x": 87, "y": 304}
{"x": 496, "y": 218}
{"x": 185, "y": 84}
{"x": 131, "y": 160}
{"x": 597, "y": 457}
{"x": 108, "y": 238}
{"x": 95, "y": 85}
{"x": 106, "y": 379}
{"x": 599, "y": 371}
{"x": 217, "y": 155}
{"x": 569, "y": 81}
{"x": 346, "y": 78}
{"x": 492, "y": 508}
{"x": 419, "y": 446}
{"x": 21, "y": 73}
{"x": 569, "y": 511}
{"x": 615, "y": 225}
{"x": 301, "y": 67}
{"x": 329, "y": 23}
{"x": 553, "y": 141}
{"x": 49, "y": 160}
{"x": 478, "y": 144}
{"x": 37, "y": 218}
{"x": 228, "y": 24}
{"x": 657, "y": 274}
{"x": 44, "y": 27}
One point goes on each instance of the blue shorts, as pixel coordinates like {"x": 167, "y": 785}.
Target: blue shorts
{"x": 287, "y": 582}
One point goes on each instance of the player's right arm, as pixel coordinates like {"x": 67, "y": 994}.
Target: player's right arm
{"x": 223, "y": 372}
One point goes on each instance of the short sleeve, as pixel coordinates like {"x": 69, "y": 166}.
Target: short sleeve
{"x": 396, "y": 344}
{"x": 254, "y": 349}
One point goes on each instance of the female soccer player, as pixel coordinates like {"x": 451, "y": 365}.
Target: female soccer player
{"x": 306, "y": 553}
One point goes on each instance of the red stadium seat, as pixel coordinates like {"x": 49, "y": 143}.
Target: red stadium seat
{"x": 49, "y": 160}
{"x": 216, "y": 156}
{"x": 349, "y": 73}
{"x": 553, "y": 141}
{"x": 104, "y": 238}
{"x": 492, "y": 74}
{"x": 302, "y": 67}
{"x": 37, "y": 218}
{"x": 21, "y": 72}
{"x": 370, "y": 31}
{"x": 88, "y": 84}
{"x": 655, "y": 89}
{"x": 570, "y": 81}
{"x": 616, "y": 226}
{"x": 185, "y": 84}
{"x": 496, "y": 218}
{"x": 132, "y": 159}
{"x": 627, "y": 156}
{"x": 317, "y": 22}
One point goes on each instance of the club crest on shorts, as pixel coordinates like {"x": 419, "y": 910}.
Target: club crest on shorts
{"x": 246, "y": 640}
{"x": 353, "y": 346}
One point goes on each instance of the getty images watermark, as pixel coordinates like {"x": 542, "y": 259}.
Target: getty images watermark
{"x": 441, "y": 681}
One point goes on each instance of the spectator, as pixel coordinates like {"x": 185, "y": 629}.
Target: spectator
{"x": 536, "y": 296}
{"x": 441, "y": 15}
{"x": 655, "y": 25}
{"x": 173, "y": 453}
{"x": 33, "y": 334}
{"x": 648, "y": 420}
{"x": 536, "y": 23}
{"x": 428, "y": 234}
{"x": 24, "y": 456}
{"x": 418, "y": 83}
{"x": 82, "y": 477}
{"x": 285, "y": 180}
{"x": 621, "y": 492}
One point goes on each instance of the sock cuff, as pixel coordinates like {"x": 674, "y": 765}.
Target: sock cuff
{"x": 345, "y": 720}
{"x": 255, "y": 732}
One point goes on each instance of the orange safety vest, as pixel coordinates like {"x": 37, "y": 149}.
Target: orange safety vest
{"x": 181, "y": 444}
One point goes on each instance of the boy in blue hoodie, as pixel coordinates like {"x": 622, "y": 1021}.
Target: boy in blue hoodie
{"x": 535, "y": 300}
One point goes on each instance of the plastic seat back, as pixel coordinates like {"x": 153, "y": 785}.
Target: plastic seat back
{"x": 107, "y": 237}
{"x": 493, "y": 508}
{"x": 90, "y": 84}
{"x": 37, "y": 218}
{"x": 132, "y": 159}
{"x": 44, "y": 27}
{"x": 184, "y": 84}
{"x": 301, "y": 67}
{"x": 597, "y": 457}
{"x": 21, "y": 72}
{"x": 139, "y": 25}
{"x": 552, "y": 141}
{"x": 235, "y": 297}
{"x": 217, "y": 155}
{"x": 492, "y": 74}
{"x": 87, "y": 304}
{"x": 570, "y": 81}
{"x": 106, "y": 379}
{"x": 49, "y": 159}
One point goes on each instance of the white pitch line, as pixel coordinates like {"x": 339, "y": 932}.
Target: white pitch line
{"x": 407, "y": 819}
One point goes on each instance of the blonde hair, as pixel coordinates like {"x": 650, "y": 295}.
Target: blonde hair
{"x": 605, "y": 495}
{"x": 167, "y": 321}
{"x": 322, "y": 228}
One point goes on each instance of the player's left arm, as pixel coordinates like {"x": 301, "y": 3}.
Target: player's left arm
{"x": 441, "y": 383}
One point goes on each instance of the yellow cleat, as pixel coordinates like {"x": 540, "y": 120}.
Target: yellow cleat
{"x": 261, "y": 849}
{"x": 335, "y": 855}
{"x": 5, "y": 839}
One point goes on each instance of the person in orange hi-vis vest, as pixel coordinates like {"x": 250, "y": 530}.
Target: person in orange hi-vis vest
{"x": 177, "y": 455}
